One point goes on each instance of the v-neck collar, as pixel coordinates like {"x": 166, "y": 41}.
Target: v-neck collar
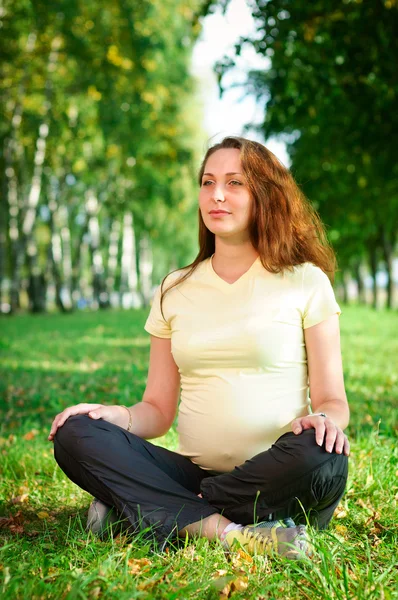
{"x": 224, "y": 285}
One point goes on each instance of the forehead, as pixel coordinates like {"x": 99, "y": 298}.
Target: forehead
{"x": 226, "y": 160}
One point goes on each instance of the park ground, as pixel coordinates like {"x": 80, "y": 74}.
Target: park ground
{"x": 50, "y": 362}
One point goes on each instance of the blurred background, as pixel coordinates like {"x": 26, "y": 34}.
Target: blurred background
{"x": 108, "y": 108}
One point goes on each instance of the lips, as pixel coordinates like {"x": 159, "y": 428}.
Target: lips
{"x": 219, "y": 212}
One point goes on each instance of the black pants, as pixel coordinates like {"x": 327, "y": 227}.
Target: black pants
{"x": 156, "y": 489}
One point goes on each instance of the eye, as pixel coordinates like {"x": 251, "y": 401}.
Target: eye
{"x": 235, "y": 181}
{"x": 206, "y": 182}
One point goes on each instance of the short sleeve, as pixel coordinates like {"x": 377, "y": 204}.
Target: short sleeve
{"x": 155, "y": 323}
{"x": 319, "y": 299}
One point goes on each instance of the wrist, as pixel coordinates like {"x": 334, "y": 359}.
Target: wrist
{"x": 130, "y": 421}
{"x": 319, "y": 414}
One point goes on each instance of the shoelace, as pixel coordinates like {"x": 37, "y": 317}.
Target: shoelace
{"x": 256, "y": 536}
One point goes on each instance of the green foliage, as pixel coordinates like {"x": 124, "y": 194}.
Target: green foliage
{"x": 112, "y": 83}
{"x": 48, "y": 363}
{"x": 331, "y": 92}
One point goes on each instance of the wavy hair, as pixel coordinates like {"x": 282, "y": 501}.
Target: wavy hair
{"x": 285, "y": 228}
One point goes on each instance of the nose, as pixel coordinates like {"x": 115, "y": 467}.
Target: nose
{"x": 218, "y": 194}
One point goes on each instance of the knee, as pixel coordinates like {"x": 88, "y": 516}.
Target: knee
{"x": 331, "y": 464}
{"x": 305, "y": 451}
{"x": 69, "y": 436}
{"x": 329, "y": 482}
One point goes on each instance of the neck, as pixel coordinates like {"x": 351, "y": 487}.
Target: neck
{"x": 234, "y": 257}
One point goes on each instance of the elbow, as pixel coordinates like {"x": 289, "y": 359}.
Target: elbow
{"x": 164, "y": 419}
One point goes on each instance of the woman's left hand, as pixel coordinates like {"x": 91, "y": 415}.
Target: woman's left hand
{"x": 325, "y": 430}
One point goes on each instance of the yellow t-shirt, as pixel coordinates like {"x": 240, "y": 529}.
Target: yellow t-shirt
{"x": 241, "y": 355}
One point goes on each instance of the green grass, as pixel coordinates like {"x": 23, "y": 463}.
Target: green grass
{"x": 50, "y": 362}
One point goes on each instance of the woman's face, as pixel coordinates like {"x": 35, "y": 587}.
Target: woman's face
{"x": 223, "y": 188}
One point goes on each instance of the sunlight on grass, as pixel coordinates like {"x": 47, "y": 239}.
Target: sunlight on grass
{"x": 50, "y": 362}
{"x": 47, "y": 365}
{"x": 116, "y": 342}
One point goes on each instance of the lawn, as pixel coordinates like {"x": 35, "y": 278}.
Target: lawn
{"x": 50, "y": 362}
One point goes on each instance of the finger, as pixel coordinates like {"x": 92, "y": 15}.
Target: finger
{"x": 347, "y": 448}
{"x": 331, "y": 435}
{"x": 54, "y": 427}
{"x": 78, "y": 409}
{"x": 62, "y": 417}
{"x": 339, "y": 443}
{"x": 98, "y": 413}
{"x": 310, "y": 422}
{"x": 296, "y": 426}
{"x": 320, "y": 429}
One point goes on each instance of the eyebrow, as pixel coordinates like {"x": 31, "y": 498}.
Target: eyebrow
{"x": 232, "y": 173}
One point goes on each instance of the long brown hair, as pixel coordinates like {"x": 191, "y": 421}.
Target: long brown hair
{"x": 285, "y": 229}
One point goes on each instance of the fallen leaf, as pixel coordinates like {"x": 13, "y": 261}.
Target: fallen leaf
{"x": 220, "y": 573}
{"x": 43, "y": 514}
{"x": 341, "y": 529}
{"x": 240, "y": 584}
{"x": 14, "y": 522}
{"x": 17, "y": 529}
{"x": 240, "y": 559}
{"x": 340, "y": 512}
{"x": 225, "y": 592}
{"x": 138, "y": 565}
{"x": 33, "y": 533}
{"x": 20, "y": 499}
{"x": 30, "y": 435}
{"x": 5, "y": 521}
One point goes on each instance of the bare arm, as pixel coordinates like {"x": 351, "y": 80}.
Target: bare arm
{"x": 326, "y": 382}
{"x": 151, "y": 417}
{"x": 154, "y": 415}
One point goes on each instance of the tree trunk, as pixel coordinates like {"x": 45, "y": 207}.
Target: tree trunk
{"x": 12, "y": 151}
{"x": 37, "y": 291}
{"x": 357, "y": 272}
{"x": 58, "y": 221}
{"x": 113, "y": 261}
{"x": 344, "y": 282}
{"x": 37, "y": 283}
{"x": 16, "y": 251}
{"x": 36, "y": 279}
{"x": 66, "y": 256}
{"x": 4, "y": 306}
{"x": 77, "y": 263}
{"x": 373, "y": 269}
{"x": 388, "y": 249}
{"x": 146, "y": 267}
{"x": 100, "y": 295}
{"x": 128, "y": 281}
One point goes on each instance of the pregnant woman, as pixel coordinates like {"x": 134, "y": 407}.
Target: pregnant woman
{"x": 245, "y": 347}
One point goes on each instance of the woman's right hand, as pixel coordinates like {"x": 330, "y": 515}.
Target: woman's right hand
{"x": 118, "y": 415}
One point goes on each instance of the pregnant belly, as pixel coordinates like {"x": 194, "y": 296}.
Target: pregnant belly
{"x": 222, "y": 431}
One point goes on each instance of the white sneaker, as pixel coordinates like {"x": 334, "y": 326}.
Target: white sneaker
{"x": 100, "y": 516}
